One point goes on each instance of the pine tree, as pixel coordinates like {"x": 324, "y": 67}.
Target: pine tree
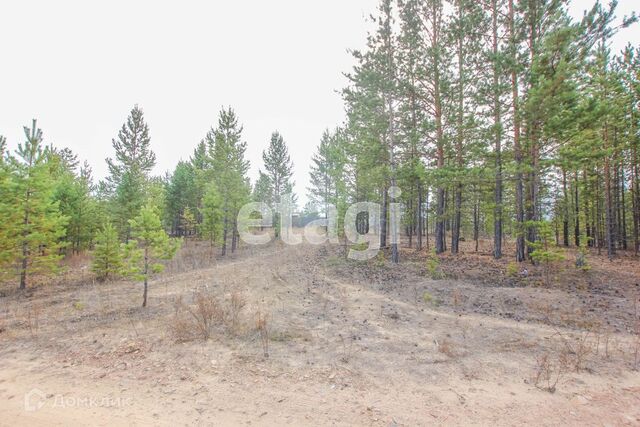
{"x": 469, "y": 19}
{"x": 262, "y": 188}
{"x": 149, "y": 245}
{"x": 129, "y": 171}
{"x": 7, "y": 210}
{"x": 211, "y": 213}
{"x": 229, "y": 172}
{"x": 201, "y": 165}
{"x": 279, "y": 168}
{"x": 514, "y": 77}
{"x": 630, "y": 64}
{"x": 107, "y": 255}
{"x": 73, "y": 194}
{"x": 427, "y": 28}
{"x": 181, "y": 197}
{"x": 34, "y": 217}
{"x": 322, "y": 185}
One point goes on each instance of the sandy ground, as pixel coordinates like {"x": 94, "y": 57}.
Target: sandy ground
{"x": 349, "y": 344}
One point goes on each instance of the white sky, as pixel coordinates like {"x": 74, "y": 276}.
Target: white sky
{"x": 80, "y": 66}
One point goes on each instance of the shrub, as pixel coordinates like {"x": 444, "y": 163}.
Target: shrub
{"x": 430, "y": 299}
{"x": 262, "y": 326}
{"x": 207, "y": 313}
{"x": 544, "y": 253}
{"x": 107, "y": 256}
{"x": 433, "y": 267}
{"x": 581, "y": 257}
{"x": 512, "y": 269}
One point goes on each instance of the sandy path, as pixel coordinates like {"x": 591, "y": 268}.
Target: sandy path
{"x": 342, "y": 353}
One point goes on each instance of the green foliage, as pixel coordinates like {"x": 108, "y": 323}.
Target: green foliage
{"x": 544, "y": 251}
{"x": 279, "y": 170}
{"x": 212, "y": 214}
{"x": 379, "y": 259}
{"x": 229, "y": 171}
{"x": 129, "y": 171}
{"x": 8, "y": 212}
{"x": 430, "y": 299}
{"x": 181, "y": 198}
{"x": 327, "y": 173}
{"x": 149, "y": 245}
{"x": 73, "y": 194}
{"x": 262, "y": 190}
{"x": 433, "y": 266}
{"x": 512, "y": 269}
{"x": 278, "y": 167}
{"x": 108, "y": 254}
{"x": 582, "y": 262}
{"x": 32, "y": 223}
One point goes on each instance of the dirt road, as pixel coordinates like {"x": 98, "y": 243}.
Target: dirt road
{"x": 348, "y": 345}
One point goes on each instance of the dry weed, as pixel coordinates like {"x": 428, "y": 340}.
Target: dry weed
{"x": 206, "y": 315}
{"x": 262, "y": 326}
{"x": 446, "y": 347}
{"x": 237, "y": 302}
{"x": 181, "y": 326}
{"x": 549, "y": 370}
{"x": 347, "y": 349}
{"x": 206, "y": 312}
{"x": 456, "y": 296}
{"x": 33, "y": 318}
{"x": 579, "y": 350}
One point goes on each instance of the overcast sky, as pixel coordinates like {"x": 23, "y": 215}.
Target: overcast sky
{"x": 79, "y": 67}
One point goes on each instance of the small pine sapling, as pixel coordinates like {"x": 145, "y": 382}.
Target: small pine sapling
{"x": 544, "y": 252}
{"x": 149, "y": 245}
{"x": 107, "y": 256}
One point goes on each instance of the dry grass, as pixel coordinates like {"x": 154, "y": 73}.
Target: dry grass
{"x": 237, "y": 302}
{"x": 193, "y": 255}
{"x": 347, "y": 349}
{"x": 33, "y": 318}
{"x": 447, "y": 347}
{"x": 206, "y": 316}
{"x": 550, "y": 368}
{"x": 180, "y": 325}
{"x": 207, "y": 313}
{"x": 197, "y": 320}
{"x": 262, "y": 326}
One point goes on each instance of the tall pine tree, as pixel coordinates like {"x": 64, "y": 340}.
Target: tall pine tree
{"x": 129, "y": 171}
{"x": 33, "y": 216}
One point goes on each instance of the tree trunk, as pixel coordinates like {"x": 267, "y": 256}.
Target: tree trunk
{"x": 419, "y": 219}
{"x": 623, "y": 220}
{"x": 457, "y": 219}
{"x": 497, "y": 123}
{"x": 520, "y": 242}
{"x": 146, "y": 271}
{"x": 609, "y": 212}
{"x": 383, "y": 219}
{"x": 457, "y": 196}
{"x": 476, "y": 223}
{"x": 234, "y": 237}
{"x": 576, "y": 230}
{"x": 426, "y": 221}
{"x": 440, "y": 194}
{"x": 224, "y": 234}
{"x": 25, "y": 245}
{"x": 635, "y": 185}
{"x": 565, "y": 210}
